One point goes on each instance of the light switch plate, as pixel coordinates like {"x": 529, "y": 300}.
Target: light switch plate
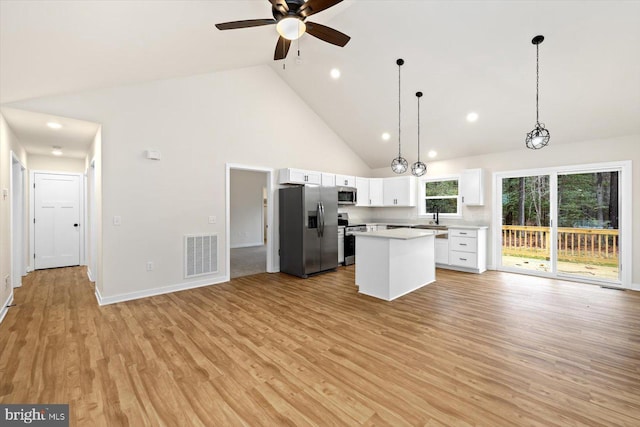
{"x": 117, "y": 220}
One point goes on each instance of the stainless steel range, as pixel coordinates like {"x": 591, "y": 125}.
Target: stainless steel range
{"x": 349, "y": 238}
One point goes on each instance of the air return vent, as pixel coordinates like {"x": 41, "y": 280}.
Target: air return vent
{"x": 200, "y": 254}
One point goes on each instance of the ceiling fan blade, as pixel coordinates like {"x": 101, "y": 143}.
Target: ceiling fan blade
{"x": 245, "y": 24}
{"x": 315, "y": 6}
{"x": 282, "y": 48}
{"x": 280, "y": 6}
{"x": 327, "y": 34}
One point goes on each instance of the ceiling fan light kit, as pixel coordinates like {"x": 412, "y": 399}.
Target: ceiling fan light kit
{"x": 289, "y": 17}
{"x": 291, "y": 28}
{"x": 539, "y": 136}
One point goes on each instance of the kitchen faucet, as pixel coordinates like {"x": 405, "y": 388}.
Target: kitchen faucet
{"x": 436, "y": 215}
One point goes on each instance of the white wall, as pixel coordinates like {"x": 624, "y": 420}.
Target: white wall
{"x": 94, "y": 210}
{"x": 607, "y": 150}
{"x": 8, "y": 143}
{"x": 55, "y": 164}
{"x": 247, "y": 116}
{"x": 247, "y": 208}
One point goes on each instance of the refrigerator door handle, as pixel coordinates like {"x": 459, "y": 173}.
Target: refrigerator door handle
{"x": 319, "y": 219}
{"x": 322, "y": 219}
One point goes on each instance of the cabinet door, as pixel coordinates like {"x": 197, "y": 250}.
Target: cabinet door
{"x": 299, "y": 176}
{"x": 472, "y": 187}
{"x": 442, "y": 251}
{"x": 328, "y": 180}
{"x": 345, "y": 181}
{"x": 399, "y": 191}
{"x": 362, "y": 195}
{"x": 376, "y": 192}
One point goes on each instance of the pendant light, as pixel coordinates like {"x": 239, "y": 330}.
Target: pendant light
{"x": 418, "y": 168}
{"x": 399, "y": 164}
{"x": 539, "y": 136}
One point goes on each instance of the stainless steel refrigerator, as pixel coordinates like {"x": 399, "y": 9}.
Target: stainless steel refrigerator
{"x": 308, "y": 229}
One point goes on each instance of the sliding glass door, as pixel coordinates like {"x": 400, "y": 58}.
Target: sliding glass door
{"x": 526, "y": 220}
{"x": 588, "y": 226}
{"x": 561, "y": 223}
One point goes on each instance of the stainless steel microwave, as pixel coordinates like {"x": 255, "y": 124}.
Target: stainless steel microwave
{"x": 347, "y": 196}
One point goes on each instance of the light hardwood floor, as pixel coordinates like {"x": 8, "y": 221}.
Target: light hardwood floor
{"x": 494, "y": 349}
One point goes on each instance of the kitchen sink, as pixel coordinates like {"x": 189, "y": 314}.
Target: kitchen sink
{"x": 434, "y": 227}
{"x": 431, "y": 227}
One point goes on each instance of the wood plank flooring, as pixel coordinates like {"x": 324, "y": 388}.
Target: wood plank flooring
{"x": 495, "y": 349}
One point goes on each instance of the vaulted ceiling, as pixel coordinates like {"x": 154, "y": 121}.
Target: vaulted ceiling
{"x": 463, "y": 55}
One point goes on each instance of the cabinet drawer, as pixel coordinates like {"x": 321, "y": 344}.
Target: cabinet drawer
{"x": 464, "y": 244}
{"x": 463, "y": 259}
{"x": 461, "y": 232}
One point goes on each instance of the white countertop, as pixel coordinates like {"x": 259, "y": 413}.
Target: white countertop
{"x": 399, "y": 233}
{"x": 398, "y": 224}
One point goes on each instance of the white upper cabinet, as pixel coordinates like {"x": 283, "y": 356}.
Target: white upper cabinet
{"x": 328, "y": 180}
{"x": 472, "y": 187}
{"x": 300, "y": 176}
{"x": 362, "y": 195}
{"x": 399, "y": 191}
{"x": 376, "y": 192}
{"x": 345, "y": 181}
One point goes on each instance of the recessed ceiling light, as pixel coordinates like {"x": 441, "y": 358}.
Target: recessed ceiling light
{"x": 57, "y": 151}
{"x": 472, "y": 117}
{"x": 386, "y": 136}
{"x": 432, "y": 154}
{"x": 335, "y": 73}
{"x": 54, "y": 125}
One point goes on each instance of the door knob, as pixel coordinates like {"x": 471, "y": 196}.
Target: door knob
{"x": 75, "y": 225}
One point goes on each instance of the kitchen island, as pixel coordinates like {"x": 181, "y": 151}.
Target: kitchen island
{"x": 392, "y": 263}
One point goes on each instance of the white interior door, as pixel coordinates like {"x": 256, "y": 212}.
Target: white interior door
{"x": 57, "y": 220}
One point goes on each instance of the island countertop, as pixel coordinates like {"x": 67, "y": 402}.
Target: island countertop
{"x": 400, "y": 233}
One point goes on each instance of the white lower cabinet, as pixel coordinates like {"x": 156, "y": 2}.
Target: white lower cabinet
{"x": 467, "y": 250}
{"x": 442, "y": 251}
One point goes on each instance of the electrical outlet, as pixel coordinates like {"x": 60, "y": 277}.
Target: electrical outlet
{"x": 117, "y": 220}
{"x": 212, "y": 219}
{"x": 149, "y": 265}
{"x": 7, "y": 282}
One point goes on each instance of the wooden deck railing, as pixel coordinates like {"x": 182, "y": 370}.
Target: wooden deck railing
{"x": 574, "y": 244}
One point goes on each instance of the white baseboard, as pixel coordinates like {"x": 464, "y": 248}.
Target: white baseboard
{"x": 5, "y": 309}
{"x": 157, "y": 291}
{"x": 247, "y": 245}
{"x": 90, "y": 275}
{"x": 635, "y": 287}
{"x": 29, "y": 268}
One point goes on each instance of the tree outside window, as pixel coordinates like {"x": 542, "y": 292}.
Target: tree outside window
{"x": 440, "y": 195}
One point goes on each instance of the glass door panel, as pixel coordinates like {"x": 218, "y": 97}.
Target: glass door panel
{"x": 526, "y": 218}
{"x": 588, "y": 240}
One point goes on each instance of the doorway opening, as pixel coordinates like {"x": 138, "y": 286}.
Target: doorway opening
{"x": 566, "y": 222}
{"x": 18, "y": 234}
{"x": 249, "y": 214}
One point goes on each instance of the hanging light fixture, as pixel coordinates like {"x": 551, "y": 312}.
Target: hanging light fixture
{"x": 539, "y": 136}
{"x": 399, "y": 164}
{"x": 418, "y": 168}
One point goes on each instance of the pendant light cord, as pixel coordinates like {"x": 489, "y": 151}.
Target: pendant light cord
{"x": 399, "y": 112}
{"x": 537, "y": 82}
{"x": 418, "y": 128}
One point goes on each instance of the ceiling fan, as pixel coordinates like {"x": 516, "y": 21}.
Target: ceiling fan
{"x": 289, "y": 17}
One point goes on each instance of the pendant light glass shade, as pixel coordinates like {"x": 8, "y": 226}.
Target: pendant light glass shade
{"x": 539, "y": 136}
{"x": 399, "y": 165}
{"x": 418, "y": 168}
